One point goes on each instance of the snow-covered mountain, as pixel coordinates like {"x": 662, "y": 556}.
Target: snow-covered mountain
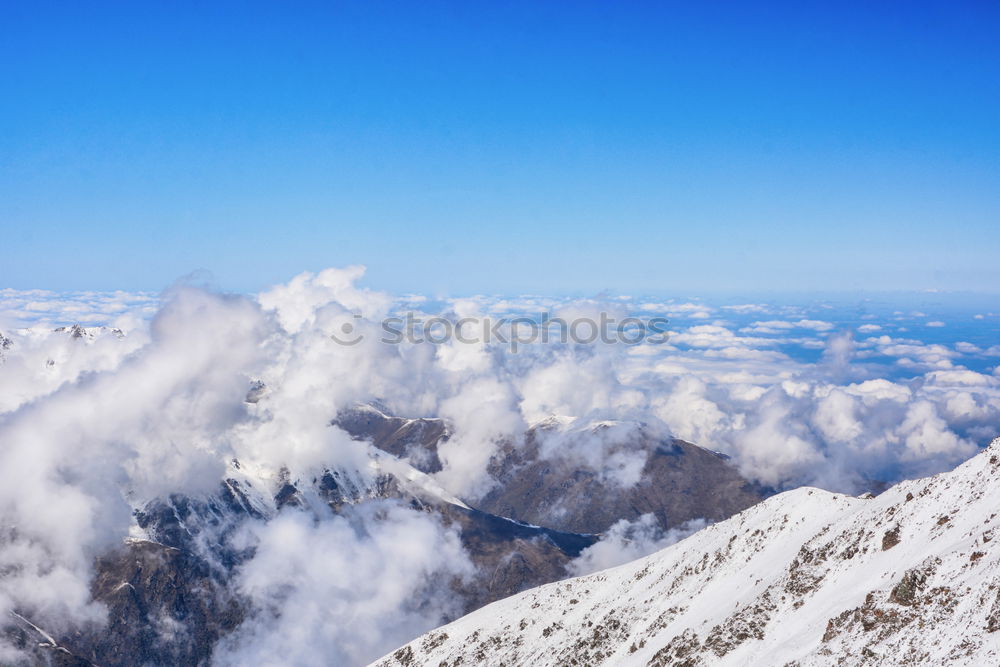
{"x": 538, "y": 483}
{"x": 549, "y": 481}
{"x": 179, "y": 572}
{"x": 170, "y": 587}
{"x": 806, "y": 577}
{"x": 217, "y": 487}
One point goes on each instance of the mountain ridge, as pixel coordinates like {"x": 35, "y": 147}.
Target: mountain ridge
{"x": 806, "y": 577}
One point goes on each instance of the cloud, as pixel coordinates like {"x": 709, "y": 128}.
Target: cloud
{"x": 46, "y": 309}
{"x": 715, "y": 336}
{"x": 156, "y": 421}
{"x": 696, "y": 311}
{"x": 627, "y": 540}
{"x": 748, "y": 308}
{"x": 343, "y": 590}
{"x": 483, "y": 414}
{"x": 299, "y": 302}
{"x": 118, "y": 418}
{"x": 161, "y": 410}
{"x": 914, "y": 354}
{"x": 960, "y": 378}
{"x": 36, "y": 362}
{"x": 613, "y": 449}
{"x": 780, "y": 326}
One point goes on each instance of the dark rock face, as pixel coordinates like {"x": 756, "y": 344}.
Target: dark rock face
{"x": 678, "y": 482}
{"x": 165, "y": 606}
{"x": 36, "y": 645}
{"x": 681, "y": 651}
{"x": 890, "y": 539}
{"x": 509, "y": 556}
{"x": 180, "y": 522}
{"x": 413, "y": 440}
{"x": 75, "y": 331}
{"x": 171, "y": 598}
{"x": 907, "y": 590}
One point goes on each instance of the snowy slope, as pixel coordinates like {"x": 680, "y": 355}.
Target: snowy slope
{"x": 806, "y": 577}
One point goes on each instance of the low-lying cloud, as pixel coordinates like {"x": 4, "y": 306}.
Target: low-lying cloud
{"x": 96, "y": 424}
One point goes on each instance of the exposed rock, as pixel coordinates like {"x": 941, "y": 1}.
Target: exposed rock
{"x": 759, "y": 588}
{"x": 678, "y": 482}
{"x": 890, "y": 539}
{"x": 413, "y": 440}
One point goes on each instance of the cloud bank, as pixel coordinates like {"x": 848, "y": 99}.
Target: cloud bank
{"x": 97, "y": 421}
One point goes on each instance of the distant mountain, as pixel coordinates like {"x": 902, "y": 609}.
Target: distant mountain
{"x": 807, "y": 577}
{"x": 412, "y": 440}
{"x": 170, "y": 588}
{"x": 676, "y": 481}
{"x": 184, "y": 567}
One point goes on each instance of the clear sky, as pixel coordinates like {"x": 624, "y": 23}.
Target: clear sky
{"x": 502, "y": 146}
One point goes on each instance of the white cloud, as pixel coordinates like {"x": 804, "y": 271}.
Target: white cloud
{"x": 715, "y": 336}
{"x": 691, "y": 310}
{"x": 747, "y": 308}
{"x": 47, "y": 310}
{"x": 778, "y": 326}
{"x": 161, "y": 409}
{"x": 628, "y": 540}
{"x": 343, "y": 590}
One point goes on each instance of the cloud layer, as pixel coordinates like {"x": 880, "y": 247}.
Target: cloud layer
{"x": 96, "y": 421}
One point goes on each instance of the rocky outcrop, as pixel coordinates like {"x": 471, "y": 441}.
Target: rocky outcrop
{"x": 170, "y": 596}
{"x": 806, "y": 577}
{"x": 678, "y": 482}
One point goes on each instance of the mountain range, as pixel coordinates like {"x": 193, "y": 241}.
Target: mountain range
{"x": 806, "y": 577}
{"x": 169, "y": 588}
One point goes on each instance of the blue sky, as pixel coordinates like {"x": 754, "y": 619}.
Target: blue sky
{"x": 502, "y": 147}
